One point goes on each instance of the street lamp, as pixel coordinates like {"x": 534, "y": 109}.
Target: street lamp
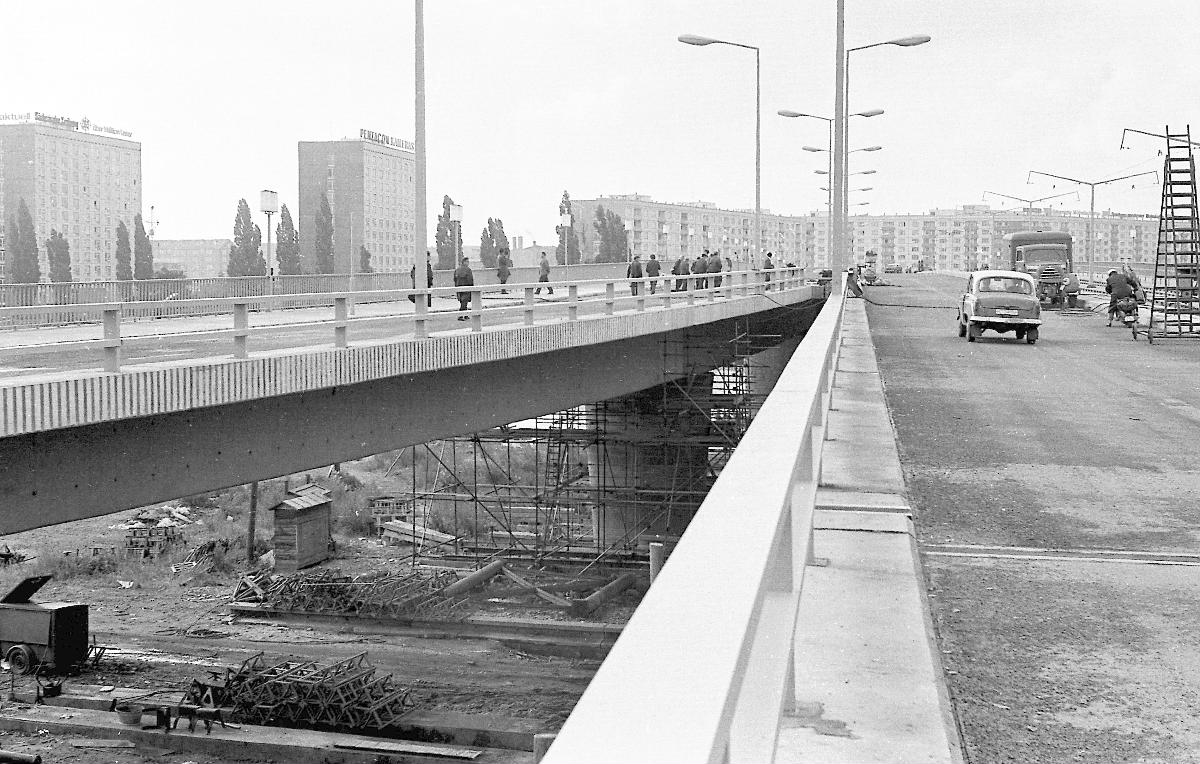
{"x": 1091, "y": 250}
{"x": 829, "y": 121}
{"x": 456, "y": 216}
{"x": 692, "y": 39}
{"x": 268, "y": 202}
{"x": 841, "y": 92}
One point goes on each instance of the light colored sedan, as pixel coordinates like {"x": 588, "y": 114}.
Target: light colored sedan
{"x": 1002, "y": 301}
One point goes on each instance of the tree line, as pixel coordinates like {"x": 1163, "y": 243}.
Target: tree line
{"x": 246, "y": 256}
{"x": 21, "y": 243}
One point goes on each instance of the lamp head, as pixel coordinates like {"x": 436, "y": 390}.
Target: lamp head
{"x": 695, "y": 39}
{"x": 821, "y": 172}
{"x": 813, "y": 149}
{"x": 908, "y": 42}
{"x": 871, "y": 113}
{"x": 872, "y": 148}
{"x": 790, "y": 113}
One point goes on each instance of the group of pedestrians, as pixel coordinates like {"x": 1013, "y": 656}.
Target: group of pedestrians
{"x": 694, "y": 273}
{"x": 700, "y": 268}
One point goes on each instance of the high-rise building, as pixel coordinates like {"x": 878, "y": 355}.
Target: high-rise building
{"x": 197, "y": 258}
{"x": 76, "y": 178}
{"x": 958, "y": 239}
{"x": 371, "y": 186}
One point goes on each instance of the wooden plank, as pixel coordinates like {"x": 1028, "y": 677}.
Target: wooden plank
{"x": 385, "y": 746}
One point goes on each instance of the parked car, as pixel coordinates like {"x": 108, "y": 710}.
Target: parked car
{"x": 893, "y": 268}
{"x": 1002, "y": 301}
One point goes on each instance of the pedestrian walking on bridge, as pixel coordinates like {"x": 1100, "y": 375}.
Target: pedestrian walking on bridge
{"x": 544, "y": 275}
{"x": 653, "y": 268}
{"x": 681, "y": 268}
{"x": 634, "y": 272}
{"x": 464, "y": 276}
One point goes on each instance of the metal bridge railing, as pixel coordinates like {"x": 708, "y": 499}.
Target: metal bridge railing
{"x": 591, "y": 297}
{"x": 704, "y": 670}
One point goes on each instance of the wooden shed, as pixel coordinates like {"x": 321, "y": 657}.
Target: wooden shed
{"x": 302, "y": 528}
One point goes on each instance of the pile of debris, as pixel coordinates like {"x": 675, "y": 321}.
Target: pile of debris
{"x": 345, "y": 695}
{"x": 201, "y": 559}
{"x": 375, "y": 595}
{"x": 152, "y": 532}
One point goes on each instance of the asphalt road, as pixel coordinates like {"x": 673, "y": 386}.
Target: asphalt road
{"x": 1084, "y": 441}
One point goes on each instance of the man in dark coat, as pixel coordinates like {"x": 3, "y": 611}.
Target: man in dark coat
{"x": 768, "y": 266}
{"x": 503, "y": 264}
{"x": 1118, "y": 287}
{"x": 714, "y": 266}
{"x": 634, "y": 271}
{"x": 653, "y": 268}
{"x": 700, "y": 267}
{"x": 464, "y": 276}
{"x": 681, "y": 268}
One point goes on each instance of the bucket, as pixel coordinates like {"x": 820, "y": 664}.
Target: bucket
{"x": 129, "y": 714}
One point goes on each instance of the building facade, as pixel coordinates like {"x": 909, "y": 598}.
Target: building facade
{"x": 197, "y": 258}
{"x": 371, "y": 186}
{"x": 76, "y": 178}
{"x": 964, "y": 238}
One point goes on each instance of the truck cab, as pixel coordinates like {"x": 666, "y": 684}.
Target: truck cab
{"x": 1044, "y": 255}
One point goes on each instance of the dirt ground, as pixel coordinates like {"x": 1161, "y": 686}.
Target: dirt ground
{"x": 168, "y": 628}
{"x": 1083, "y": 441}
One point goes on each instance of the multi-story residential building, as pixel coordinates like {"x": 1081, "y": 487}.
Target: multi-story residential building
{"x": 75, "y": 177}
{"x": 957, "y": 239}
{"x": 197, "y": 258}
{"x": 371, "y": 186}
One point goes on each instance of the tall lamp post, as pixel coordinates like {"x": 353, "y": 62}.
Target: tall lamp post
{"x": 842, "y": 90}
{"x": 1091, "y": 250}
{"x": 419, "y": 129}
{"x": 692, "y": 39}
{"x": 268, "y": 202}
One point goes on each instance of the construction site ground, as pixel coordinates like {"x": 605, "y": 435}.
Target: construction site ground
{"x": 167, "y": 628}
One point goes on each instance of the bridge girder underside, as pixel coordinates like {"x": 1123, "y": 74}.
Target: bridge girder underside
{"x": 70, "y": 474}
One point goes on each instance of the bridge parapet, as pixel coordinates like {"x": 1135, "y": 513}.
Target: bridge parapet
{"x": 593, "y": 313}
{"x": 704, "y": 668}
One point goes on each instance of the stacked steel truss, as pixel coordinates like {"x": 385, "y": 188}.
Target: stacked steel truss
{"x": 375, "y": 595}
{"x": 557, "y": 508}
{"x": 345, "y": 695}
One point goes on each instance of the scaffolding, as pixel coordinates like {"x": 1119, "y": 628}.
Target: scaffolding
{"x": 599, "y": 482}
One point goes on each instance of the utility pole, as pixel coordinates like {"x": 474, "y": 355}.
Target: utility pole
{"x": 251, "y": 524}
{"x": 1091, "y": 235}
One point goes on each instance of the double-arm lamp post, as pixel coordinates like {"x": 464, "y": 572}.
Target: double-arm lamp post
{"x": 1091, "y": 235}
{"x": 841, "y": 135}
{"x": 693, "y": 39}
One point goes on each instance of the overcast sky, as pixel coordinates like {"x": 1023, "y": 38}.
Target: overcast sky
{"x": 526, "y": 99}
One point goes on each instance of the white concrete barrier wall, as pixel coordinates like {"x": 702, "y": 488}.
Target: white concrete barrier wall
{"x": 703, "y": 672}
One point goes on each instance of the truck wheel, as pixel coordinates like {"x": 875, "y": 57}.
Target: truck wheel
{"x": 1020, "y": 333}
{"x": 1031, "y": 336}
{"x": 21, "y": 659}
{"x": 973, "y": 332}
{"x": 962, "y": 326}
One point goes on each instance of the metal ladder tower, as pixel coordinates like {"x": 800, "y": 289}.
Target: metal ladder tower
{"x": 1175, "y": 298}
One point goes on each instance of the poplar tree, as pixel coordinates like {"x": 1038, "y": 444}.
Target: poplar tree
{"x": 287, "y": 248}
{"x": 323, "y": 228}
{"x": 124, "y": 270}
{"x": 143, "y": 253}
